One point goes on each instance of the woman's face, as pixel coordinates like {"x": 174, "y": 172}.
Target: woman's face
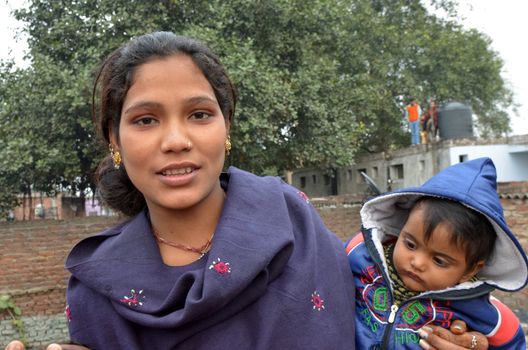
{"x": 172, "y": 134}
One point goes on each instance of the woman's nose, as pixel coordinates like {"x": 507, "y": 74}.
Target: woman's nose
{"x": 175, "y": 138}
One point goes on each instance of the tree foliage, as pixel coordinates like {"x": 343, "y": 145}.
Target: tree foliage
{"x": 318, "y": 81}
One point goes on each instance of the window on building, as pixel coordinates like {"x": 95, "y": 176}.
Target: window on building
{"x": 326, "y": 180}
{"x": 359, "y": 177}
{"x": 421, "y": 165}
{"x": 314, "y": 179}
{"x": 396, "y": 171}
{"x": 462, "y": 158}
{"x": 349, "y": 174}
{"x": 303, "y": 181}
{"x": 375, "y": 172}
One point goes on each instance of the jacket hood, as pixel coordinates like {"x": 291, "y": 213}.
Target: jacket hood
{"x": 474, "y": 184}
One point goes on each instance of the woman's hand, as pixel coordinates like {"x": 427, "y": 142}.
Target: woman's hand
{"x": 17, "y": 345}
{"x": 456, "y": 338}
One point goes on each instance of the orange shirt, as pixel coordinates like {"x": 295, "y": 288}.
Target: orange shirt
{"x": 412, "y": 112}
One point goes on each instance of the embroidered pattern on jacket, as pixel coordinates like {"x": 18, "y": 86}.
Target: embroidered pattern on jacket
{"x": 135, "y": 298}
{"x": 220, "y": 266}
{"x": 317, "y": 301}
{"x": 373, "y": 293}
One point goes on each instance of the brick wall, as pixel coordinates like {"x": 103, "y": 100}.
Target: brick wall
{"x": 516, "y": 213}
{"x": 32, "y": 258}
{"x": 32, "y": 255}
{"x": 340, "y": 214}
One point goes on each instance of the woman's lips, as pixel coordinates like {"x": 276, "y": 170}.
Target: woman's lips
{"x": 178, "y": 168}
{"x": 175, "y": 176}
{"x": 177, "y": 172}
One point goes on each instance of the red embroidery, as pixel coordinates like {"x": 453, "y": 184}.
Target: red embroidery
{"x": 135, "y": 298}
{"x": 304, "y": 196}
{"x": 317, "y": 301}
{"x": 220, "y": 266}
{"x": 67, "y": 313}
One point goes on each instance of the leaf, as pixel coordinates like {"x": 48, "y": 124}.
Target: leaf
{"x": 17, "y": 311}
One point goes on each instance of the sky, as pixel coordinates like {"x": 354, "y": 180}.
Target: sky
{"x": 503, "y": 21}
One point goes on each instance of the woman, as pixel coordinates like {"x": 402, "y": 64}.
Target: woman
{"x": 208, "y": 259}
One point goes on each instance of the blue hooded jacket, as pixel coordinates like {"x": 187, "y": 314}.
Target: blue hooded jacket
{"x": 473, "y": 184}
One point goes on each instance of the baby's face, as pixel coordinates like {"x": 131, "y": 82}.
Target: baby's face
{"x": 434, "y": 265}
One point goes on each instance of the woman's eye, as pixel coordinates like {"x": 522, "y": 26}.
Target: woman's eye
{"x": 441, "y": 262}
{"x": 200, "y": 115}
{"x": 145, "y": 121}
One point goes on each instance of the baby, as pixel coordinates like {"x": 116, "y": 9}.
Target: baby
{"x": 432, "y": 254}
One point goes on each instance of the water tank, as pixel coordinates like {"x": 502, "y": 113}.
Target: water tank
{"x": 455, "y": 121}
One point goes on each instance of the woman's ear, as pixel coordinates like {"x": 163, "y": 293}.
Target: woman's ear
{"x": 468, "y": 275}
{"x": 112, "y": 136}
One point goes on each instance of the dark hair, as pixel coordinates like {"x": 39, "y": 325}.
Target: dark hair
{"x": 113, "y": 80}
{"x": 470, "y": 229}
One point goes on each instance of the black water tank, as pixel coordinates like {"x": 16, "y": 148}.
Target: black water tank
{"x": 455, "y": 121}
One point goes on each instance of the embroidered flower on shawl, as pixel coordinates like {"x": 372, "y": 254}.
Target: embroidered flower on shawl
{"x": 67, "y": 313}
{"x": 220, "y": 266}
{"x": 135, "y": 298}
{"x": 317, "y": 301}
{"x": 304, "y": 196}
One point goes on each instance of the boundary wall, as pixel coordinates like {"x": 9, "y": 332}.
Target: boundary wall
{"x": 32, "y": 255}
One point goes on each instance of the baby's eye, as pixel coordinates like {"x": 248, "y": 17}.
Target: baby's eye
{"x": 201, "y": 115}
{"x": 441, "y": 262}
{"x": 409, "y": 244}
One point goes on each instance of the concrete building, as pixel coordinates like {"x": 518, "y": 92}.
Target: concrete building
{"x": 315, "y": 182}
{"x": 414, "y": 165}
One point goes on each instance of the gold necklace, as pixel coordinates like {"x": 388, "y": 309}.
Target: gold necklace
{"x": 201, "y": 250}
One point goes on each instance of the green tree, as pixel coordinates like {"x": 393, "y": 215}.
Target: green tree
{"x": 399, "y": 49}
{"x": 466, "y": 69}
{"x": 44, "y": 147}
{"x": 276, "y": 72}
{"x": 318, "y": 81}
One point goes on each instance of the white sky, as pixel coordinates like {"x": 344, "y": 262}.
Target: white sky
{"x": 503, "y": 21}
{"x": 11, "y": 46}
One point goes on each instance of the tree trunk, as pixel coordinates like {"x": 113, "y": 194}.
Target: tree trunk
{"x": 31, "y": 209}
{"x": 24, "y": 205}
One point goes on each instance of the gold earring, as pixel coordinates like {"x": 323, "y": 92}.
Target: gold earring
{"x": 116, "y": 156}
{"x": 227, "y": 144}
